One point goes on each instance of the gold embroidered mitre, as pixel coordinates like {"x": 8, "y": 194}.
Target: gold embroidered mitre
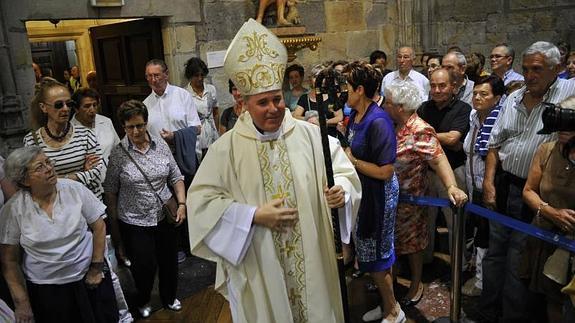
{"x": 255, "y": 60}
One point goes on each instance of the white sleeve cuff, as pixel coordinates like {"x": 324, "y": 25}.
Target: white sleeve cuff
{"x": 345, "y": 216}
{"x": 232, "y": 235}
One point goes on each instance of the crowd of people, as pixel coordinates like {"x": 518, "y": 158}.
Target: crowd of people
{"x": 246, "y": 188}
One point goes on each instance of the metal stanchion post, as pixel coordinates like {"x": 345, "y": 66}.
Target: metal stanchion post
{"x": 458, "y": 240}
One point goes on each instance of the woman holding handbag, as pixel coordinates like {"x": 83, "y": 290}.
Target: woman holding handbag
{"x": 550, "y": 195}
{"x": 141, "y": 171}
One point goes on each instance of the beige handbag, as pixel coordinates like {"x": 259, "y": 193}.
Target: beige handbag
{"x": 557, "y": 266}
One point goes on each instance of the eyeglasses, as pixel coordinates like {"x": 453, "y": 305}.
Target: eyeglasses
{"x": 153, "y": 76}
{"x": 135, "y": 126}
{"x": 60, "y": 104}
{"x": 497, "y": 56}
{"x": 43, "y": 167}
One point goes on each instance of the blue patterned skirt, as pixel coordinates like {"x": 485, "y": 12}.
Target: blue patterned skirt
{"x": 375, "y": 249}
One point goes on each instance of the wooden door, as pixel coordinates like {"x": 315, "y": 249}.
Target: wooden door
{"x": 120, "y": 54}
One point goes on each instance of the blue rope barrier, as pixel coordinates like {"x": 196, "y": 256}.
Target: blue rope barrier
{"x": 556, "y": 239}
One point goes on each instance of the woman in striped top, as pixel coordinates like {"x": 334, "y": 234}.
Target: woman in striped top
{"x": 73, "y": 149}
{"x": 487, "y": 94}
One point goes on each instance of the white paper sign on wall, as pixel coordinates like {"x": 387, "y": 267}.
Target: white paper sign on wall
{"x": 216, "y": 58}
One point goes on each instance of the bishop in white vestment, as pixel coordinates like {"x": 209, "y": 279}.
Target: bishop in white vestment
{"x": 258, "y": 204}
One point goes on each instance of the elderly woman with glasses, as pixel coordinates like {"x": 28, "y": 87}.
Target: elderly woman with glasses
{"x": 53, "y": 264}
{"x": 141, "y": 171}
{"x": 418, "y": 149}
{"x": 74, "y": 149}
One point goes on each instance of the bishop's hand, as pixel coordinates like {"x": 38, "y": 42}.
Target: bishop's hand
{"x": 335, "y": 196}
{"x": 275, "y": 217}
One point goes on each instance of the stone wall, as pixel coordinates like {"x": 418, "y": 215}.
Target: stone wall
{"x": 477, "y": 26}
{"x": 349, "y": 30}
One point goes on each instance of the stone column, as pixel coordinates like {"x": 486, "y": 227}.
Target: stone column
{"x": 15, "y": 58}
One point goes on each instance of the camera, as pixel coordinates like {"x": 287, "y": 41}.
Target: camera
{"x": 331, "y": 82}
{"x": 555, "y": 118}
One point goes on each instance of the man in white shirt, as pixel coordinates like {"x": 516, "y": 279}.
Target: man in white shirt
{"x": 170, "y": 108}
{"x": 406, "y": 73}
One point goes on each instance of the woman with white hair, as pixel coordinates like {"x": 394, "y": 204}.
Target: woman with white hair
{"x": 417, "y": 149}
{"x": 53, "y": 264}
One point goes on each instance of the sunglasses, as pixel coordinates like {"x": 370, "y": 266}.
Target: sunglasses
{"x": 60, "y": 104}
{"x": 135, "y": 126}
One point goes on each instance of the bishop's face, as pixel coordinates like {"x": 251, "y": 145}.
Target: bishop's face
{"x": 266, "y": 109}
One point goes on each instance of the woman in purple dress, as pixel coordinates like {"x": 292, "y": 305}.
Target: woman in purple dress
{"x": 372, "y": 151}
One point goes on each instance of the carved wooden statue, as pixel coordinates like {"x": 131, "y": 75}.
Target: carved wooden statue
{"x": 292, "y": 17}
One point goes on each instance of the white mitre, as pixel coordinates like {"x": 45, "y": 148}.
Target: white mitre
{"x": 255, "y": 60}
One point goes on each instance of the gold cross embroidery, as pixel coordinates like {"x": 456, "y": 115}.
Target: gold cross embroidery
{"x": 280, "y": 193}
{"x": 288, "y": 248}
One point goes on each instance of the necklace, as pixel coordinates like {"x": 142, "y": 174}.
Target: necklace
{"x": 57, "y": 138}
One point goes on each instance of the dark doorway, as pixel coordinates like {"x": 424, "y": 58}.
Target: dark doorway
{"x": 120, "y": 55}
{"x": 52, "y": 58}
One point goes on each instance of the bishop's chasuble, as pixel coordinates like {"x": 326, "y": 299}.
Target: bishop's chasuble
{"x": 276, "y": 277}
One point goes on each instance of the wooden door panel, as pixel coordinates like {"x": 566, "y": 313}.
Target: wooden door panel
{"x": 139, "y": 44}
{"x": 120, "y": 54}
{"x": 112, "y": 59}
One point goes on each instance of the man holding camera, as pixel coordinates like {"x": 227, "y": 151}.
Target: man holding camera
{"x": 512, "y": 144}
{"x": 259, "y": 205}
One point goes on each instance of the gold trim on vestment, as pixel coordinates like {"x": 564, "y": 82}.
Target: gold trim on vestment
{"x": 278, "y": 183}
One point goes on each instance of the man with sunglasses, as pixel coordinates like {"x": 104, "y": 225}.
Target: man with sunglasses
{"x": 501, "y": 60}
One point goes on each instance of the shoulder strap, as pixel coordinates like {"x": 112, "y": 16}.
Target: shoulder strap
{"x": 142, "y": 172}
{"x": 35, "y": 137}
{"x": 547, "y": 154}
{"x": 471, "y": 153}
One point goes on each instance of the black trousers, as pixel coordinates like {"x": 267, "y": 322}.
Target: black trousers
{"x": 151, "y": 248}
{"x": 482, "y": 224}
{"x": 74, "y": 302}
